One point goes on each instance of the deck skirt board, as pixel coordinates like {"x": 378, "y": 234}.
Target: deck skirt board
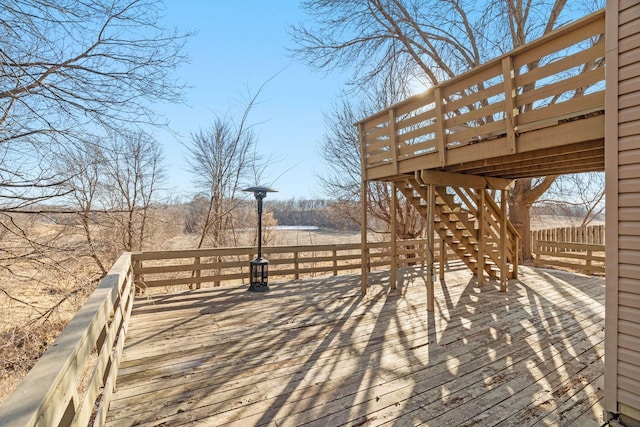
{"x": 317, "y": 352}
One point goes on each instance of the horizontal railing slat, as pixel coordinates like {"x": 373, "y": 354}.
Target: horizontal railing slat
{"x": 284, "y": 261}
{"x": 570, "y": 254}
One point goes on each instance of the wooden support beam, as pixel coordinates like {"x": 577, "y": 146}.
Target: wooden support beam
{"x": 363, "y": 210}
{"x": 428, "y": 177}
{"x": 431, "y": 201}
{"x": 481, "y": 245}
{"x": 394, "y": 236}
{"x": 443, "y": 258}
{"x": 516, "y": 257}
{"x": 504, "y": 268}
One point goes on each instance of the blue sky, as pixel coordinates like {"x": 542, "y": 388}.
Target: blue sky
{"x": 239, "y": 45}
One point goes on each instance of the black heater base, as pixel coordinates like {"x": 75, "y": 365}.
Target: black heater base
{"x": 258, "y": 287}
{"x": 259, "y": 277}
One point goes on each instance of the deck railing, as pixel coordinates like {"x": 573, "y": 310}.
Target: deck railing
{"x": 556, "y": 78}
{"x": 195, "y": 267}
{"x": 577, "y": 248}
{"x": 592, "y": 234}
{"x": 72, "y": 382}
{"x": 585, "y": 257}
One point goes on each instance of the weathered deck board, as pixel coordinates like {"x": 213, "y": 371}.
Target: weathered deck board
{"x": 316, "y": 352}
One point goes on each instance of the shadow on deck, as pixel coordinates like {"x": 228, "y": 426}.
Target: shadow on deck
{"x": 317, "y": 352}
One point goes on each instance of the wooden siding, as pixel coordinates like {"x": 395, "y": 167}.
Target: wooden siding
{"x": 629, "y": 211}
{"x": 623, "y": 211}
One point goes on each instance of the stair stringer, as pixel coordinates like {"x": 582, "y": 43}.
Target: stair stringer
{"x": 451, "y": 224}
{"x": 456, "y": 222}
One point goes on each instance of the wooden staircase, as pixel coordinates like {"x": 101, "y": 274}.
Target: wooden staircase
{"x": 469, "y": 221}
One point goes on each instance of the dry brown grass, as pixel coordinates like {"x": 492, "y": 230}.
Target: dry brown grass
{"x": 41, "y": 288}
{"x": 541, "y": 222}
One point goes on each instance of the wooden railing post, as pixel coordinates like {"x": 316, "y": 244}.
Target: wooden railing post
{"x": 508, "y": 75}
{"x": 503, "y": 241}
{"x": 137, "y": 277}
{"x": 431, "y": 201}
{"x": 296, "y": 265}
{"x": 441, "y": 134}
{"x": 394, "y": 237}
{"x": 335, "y": 262}
{"x": 197, "y": 271}
{"x": 393, "y": 140}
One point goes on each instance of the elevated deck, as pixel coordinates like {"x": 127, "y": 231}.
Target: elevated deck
{"x": 318, "y": 352}
{"x": 536, "y": 111}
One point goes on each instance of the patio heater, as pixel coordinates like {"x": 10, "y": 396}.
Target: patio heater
{"x": 259, "y": 267}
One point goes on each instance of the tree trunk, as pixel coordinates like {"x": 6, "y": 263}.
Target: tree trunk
{"x": 520, "y": 217}
{"x": 520, "y": 199}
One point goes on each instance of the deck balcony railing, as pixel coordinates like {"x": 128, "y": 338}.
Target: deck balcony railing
{"x": 228, "y": 265}
{"x": 556, "y": 78}
{"x": 73, "y": 381}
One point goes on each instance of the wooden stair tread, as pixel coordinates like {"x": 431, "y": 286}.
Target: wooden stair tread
{"x": 456, "y": 224}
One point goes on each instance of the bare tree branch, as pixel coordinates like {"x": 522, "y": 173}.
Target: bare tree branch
{"x": 70, "y": 68}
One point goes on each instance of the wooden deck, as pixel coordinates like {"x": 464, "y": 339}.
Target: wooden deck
{"x": 317, "y": 352}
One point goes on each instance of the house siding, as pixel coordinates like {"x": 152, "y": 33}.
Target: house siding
{"x": 622, "y": 384}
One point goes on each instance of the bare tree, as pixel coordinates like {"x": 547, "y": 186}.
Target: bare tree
{"x": 113, "y": 187}
{"x": 429, "y": 41}
{"x": 221, "y": 158}
{"x": 577, "y": 195}
{"x": 342, "y": 181}
{"x": 86, "y": 165}
{"x": 134, "y": 171}
{"x": 67, "y": 68}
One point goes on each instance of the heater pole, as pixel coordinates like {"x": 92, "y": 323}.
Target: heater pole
{"x": 259, "y": 267}
{"x": 260, "y": 196}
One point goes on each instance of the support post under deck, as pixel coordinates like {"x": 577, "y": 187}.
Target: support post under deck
{"x": 481, "y": 242}
{"x": 363, "y": 212}
{"x": 504, "y": 268}
{"x": 394, "y": 236}
{"x": 443, "y": 258}
{"x": 431, "y": 200}
{"x": 363, "y": 239}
